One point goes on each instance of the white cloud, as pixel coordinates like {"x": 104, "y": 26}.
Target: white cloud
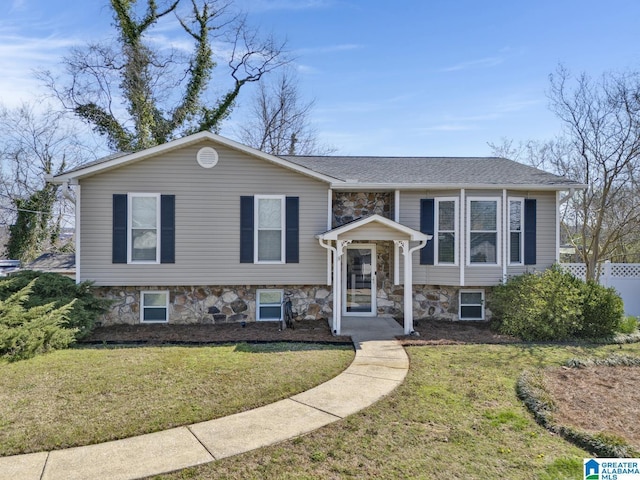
{"x": 328, "y": 49}
{"x": 19, "y": 57}
{"x": 487, "y": 62}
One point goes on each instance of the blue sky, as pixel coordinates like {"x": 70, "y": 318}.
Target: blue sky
{"x": 403, "y": 77}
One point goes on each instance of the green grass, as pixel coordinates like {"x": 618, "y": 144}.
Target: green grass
{"x": 83, "y": 396}
{"x": 456, "y": 416}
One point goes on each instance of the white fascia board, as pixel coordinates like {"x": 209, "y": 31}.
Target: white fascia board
{"x": 356, "y": 186}
{"x": 413, "y": 234}
{"x": 181, "y": 142}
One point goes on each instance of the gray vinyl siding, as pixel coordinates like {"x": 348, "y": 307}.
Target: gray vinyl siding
{"x": 481, "y": 275}
{"x": 546, "y": 220}
{"x": 207, "y": 220}
{"x": 376, "y": 231}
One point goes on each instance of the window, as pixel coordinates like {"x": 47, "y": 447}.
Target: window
{"x": 484, "y": 225}
{"x": 144, "y": 219}
{"x": 516, "y": 211}
{"x": 471, "y": 305}
{"x": 269, "y": 305}
{"x": 154, "y": 307}
{"x": 446, "y": 235}
{"x": 269, "y": 232}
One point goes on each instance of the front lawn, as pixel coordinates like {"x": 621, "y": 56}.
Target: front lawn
{"x": 456, "y": 416}
{"x": 84, "y": 396}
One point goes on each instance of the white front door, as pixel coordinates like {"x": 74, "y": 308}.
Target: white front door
{"x": 359, "y": 280}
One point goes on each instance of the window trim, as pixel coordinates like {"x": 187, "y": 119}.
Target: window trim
{"x": 256, "y": 230}
{"x": 130, "y": 197}
{"x": 520, "y": 200}
{"x": 482, "y": 303}
{"x": 258, "y": 304}
{"x": 142, "y": 306}
{"x": 468, "y": 232}
{"x": 436, "y": 231}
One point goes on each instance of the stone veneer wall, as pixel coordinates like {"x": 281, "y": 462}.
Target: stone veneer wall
{"x": 349, "y": 206}
{"x": 429, "y": 301}
{"x": 213, "y": 304}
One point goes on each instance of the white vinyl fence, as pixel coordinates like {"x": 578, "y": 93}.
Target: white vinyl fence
{"x": 624, "y": 277}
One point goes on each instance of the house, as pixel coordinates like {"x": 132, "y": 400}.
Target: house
{"x": 60, "y": 263}
{"x": 203, "y": 229}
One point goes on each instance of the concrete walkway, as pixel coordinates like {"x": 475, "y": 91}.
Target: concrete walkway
{"x": 380, "y": 365}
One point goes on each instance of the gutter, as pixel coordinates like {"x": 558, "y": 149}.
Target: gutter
{"x": 357, "y": 186}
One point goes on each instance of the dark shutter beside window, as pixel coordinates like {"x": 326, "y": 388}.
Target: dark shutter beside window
{"x": 119, "y": 239}
{"x": 292, "y": 215}
{"x": 167, "y": 229}
{"x": 246, "y": 229}
{"x": 530, "y": 231}
{"x": 427, "y": 220}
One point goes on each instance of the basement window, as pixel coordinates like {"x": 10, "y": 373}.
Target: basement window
{"x": 154, "y": 307}
{"x": 471, "y": 305}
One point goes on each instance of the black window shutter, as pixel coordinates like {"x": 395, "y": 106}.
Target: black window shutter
{"x": 119, "y": 239}
{"x": 427, "y": 220}
{"x": 529, "y": 231}
{"x": 246, "y": 229}
{"x": 167, "y": 229}
{"x": 292, "y": 222}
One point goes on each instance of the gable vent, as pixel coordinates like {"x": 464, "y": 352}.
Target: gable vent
{"x": 207, "y": 157}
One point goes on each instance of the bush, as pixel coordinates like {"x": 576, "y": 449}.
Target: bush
{"x": 554, "y": 305}
{"x": 628, "y": 325}
{"x": 602, "y": 311}
{"x": 26, "y": 332}
{"x": 60, "y": 290}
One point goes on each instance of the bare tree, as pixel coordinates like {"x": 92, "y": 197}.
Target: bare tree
{"x": 279, "y": 120}
{"x": 34, "y": 143}
{"x": 138, "y": 94}
{"x": 600, "y": 147}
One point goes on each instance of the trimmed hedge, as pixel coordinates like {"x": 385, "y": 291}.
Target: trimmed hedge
{"x": 555, "y": 305}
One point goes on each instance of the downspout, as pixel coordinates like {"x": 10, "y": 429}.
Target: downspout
{"x": 66, "y": 193}
{"x": 408, "y": 287}
{"x": 505, "y": 238}
{"x": 396, "y": 249}
{"x": 335, "y": 327}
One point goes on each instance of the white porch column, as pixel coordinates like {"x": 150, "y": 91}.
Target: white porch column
{"x": 337, "y": 285}
{"x": 408, "y": 281}
{"x": 408, "y": 286}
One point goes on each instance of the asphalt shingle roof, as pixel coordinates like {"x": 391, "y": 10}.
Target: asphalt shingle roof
{"x": 429, "y": 170}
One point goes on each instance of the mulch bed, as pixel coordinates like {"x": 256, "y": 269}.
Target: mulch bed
{"x": 305, "y": 331}
{"x": 432, "y": 332}
{"x": 442, "y": 332}
{"x": 578, "y": 393}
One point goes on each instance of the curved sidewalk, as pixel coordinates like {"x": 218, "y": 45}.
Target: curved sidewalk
{"x": 379, "y": 366}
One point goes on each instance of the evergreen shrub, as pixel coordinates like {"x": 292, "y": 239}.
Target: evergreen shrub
{"x": 28, "y": 331}
{"x": 59, "y": 290}
{"x": 555, "y": 305}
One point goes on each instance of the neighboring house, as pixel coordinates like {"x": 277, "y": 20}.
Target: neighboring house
{"x": 205, "y": 230}
{"x": 61, "y": 263}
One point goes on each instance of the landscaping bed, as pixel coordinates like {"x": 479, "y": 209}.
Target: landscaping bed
{"x": 432, "y": 332}
{"x": 305, "y": 331}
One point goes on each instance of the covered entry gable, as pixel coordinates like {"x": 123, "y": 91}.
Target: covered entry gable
{"x": 374, "y": 227}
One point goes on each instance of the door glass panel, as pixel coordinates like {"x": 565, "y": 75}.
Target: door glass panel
{"x": 358, "y": 285}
